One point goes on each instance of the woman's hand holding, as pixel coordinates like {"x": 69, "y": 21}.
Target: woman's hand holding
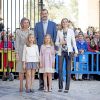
{"x": 53, "y": 65}
{"x": 17, "y": 56}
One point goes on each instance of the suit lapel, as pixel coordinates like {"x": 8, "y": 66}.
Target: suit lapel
{"x": 42, "y": 30}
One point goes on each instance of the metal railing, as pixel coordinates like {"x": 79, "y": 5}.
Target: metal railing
{"x": 88, "y": 63}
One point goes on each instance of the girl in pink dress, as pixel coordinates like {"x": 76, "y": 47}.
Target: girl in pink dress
{"x": 47, "y": 61}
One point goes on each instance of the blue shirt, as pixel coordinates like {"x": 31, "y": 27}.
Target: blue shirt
{"x": 81, "y": 45}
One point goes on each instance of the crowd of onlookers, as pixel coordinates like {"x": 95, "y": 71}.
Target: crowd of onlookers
{"x": 91, "y": 38}
{"x": 7, "y": 39}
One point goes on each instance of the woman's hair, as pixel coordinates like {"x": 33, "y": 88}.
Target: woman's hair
{"x": 92, "y": 30}
{"x": 63, "y": 20}
{"x": 27, "y": 41}
{"x": 51, "y": 42}
{"x": 22, "y": 20}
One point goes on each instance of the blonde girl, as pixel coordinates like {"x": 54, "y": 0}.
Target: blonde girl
{"x": 30, "y": 61}
{"x": 47, "y": 62}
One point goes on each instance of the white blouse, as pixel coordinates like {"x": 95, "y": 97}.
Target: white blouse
{"x": 31, "y": 54}
{"x": 71, "y": 42}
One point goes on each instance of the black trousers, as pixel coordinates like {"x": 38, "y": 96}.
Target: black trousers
{"x": 41, "y": 81}
{"x": 68, "y": 69}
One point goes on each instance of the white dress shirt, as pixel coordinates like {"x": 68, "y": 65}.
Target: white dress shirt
{"x": 45, "y": 25}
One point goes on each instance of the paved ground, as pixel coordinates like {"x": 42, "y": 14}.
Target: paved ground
{"x": 79, "y": 90}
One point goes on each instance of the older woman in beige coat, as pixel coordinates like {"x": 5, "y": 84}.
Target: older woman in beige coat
{"x": 21, "y": 35}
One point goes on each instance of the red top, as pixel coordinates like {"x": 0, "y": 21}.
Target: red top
{"x": 92, "y": 49}
{"x": 4, "y": 44}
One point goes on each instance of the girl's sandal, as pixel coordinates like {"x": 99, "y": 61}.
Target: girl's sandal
{"x": 20, "y": 90}
{"x": 28, "y": 91}
{"x": 45, "y": 90}
{"x": 50, "y": 90}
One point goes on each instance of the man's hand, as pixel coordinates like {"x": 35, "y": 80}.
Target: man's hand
{"x": 81, "y": 51}
{"x": 41, "y": 65}
{"x": 53, "y": 65}
{"x": 75, "y": 55}
{"x": 24, "y": 66}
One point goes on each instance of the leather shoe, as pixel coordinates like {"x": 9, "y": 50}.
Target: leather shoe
{"x": 60, "y": 90}
{"x": 41, "y": 89}
{"x": 65, "y": 91}
{"x": 32, "y": 90}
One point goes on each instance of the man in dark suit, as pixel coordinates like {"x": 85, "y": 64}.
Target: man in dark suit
{"x": 42, "y": 28}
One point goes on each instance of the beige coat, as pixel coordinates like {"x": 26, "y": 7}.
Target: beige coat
{"x": 19, "y": 45}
